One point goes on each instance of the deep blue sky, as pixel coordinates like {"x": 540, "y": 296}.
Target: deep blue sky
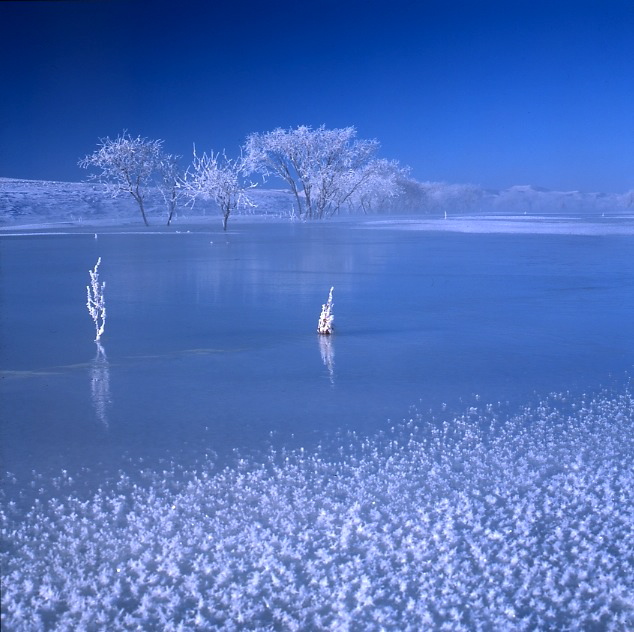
{"x": 491, "y": 93}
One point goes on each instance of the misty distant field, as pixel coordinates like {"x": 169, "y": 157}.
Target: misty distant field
{"x": 33, "y": 202}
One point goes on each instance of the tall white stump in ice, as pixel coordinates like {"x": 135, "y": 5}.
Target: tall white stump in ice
{"x": 96, "y": 302}
{"x": 326, "y": 318}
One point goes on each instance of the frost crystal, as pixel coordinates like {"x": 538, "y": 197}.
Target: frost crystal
{"x": 470, "y": 522}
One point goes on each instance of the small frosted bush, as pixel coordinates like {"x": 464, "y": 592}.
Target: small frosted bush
{"x": 326, "y": 318}
{"x": 96, "y": 302}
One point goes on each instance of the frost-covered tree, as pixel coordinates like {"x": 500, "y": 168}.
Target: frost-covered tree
{"x": 435, "y": 197}
{"x": 626, "y": 200}
{"x": 378, "y": 183}
{"x": 126, "y": 165}
{"x": 324, "y": 168}
{"x": 219, "y": 178}
{"x": 169, "y": 183}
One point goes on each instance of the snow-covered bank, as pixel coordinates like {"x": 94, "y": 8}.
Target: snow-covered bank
{"x": 43, "y": 204}
{"x": 30, "y": 204}
{"x": 617, "y": 224}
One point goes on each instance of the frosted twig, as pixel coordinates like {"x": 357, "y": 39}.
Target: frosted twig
{"x": 326, "y": 318}
{"x": 96, "y": 302}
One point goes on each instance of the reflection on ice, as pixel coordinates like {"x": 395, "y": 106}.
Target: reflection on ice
{"x": 327, "y": 350}
{"x": 478, "y": 522}
{"x": 100, "y": 384}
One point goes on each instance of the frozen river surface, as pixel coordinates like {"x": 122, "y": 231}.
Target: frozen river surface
{"x": 210, "y": 341}
{"x": 479, "y": 506}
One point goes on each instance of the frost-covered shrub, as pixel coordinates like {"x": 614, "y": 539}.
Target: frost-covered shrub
{"x": 96, "y": 302}
{"x": 326, "y": 318}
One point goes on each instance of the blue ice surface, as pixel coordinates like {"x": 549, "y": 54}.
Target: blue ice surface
{"x": 210, "y": 340}
{"x": 478, "y": 505}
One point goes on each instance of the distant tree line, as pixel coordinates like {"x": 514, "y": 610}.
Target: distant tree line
{"x": 329, "y": 171}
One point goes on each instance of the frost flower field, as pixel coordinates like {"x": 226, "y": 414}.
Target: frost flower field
{"x": 478, "y": 522}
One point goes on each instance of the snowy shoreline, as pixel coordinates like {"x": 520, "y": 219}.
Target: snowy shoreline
{"x": 617, "y": 224}
{"x": 50, "y": 207}
{"x": 538, "y": 225}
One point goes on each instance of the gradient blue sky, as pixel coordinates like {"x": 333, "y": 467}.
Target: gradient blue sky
{"x": 491, "y": 93}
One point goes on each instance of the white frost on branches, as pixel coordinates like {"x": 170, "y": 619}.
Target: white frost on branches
{"x": 375, "y": 186}
{"x": 326, "y": 318}
{"x": 96, "y": 302}
{"x": 326, "y": 169}
{"x": 168, "y": 184}
{"x": 126, "y": 165}
{"x": 219, "y": 178}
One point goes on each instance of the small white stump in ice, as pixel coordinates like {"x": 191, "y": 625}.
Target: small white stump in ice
{"x": 326, "y": 318}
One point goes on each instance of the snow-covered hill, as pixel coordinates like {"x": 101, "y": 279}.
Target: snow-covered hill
{"x": 39, "y": 202}
{"x": 438, "y": 197}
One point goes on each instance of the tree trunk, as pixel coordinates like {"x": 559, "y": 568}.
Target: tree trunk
{"x": 139, "y": 200}
{"x": 143, "y": 211}
{"x": 171, "y": 207}
{"x": 308, "y": 202}
{"x": 297, "y": 198}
